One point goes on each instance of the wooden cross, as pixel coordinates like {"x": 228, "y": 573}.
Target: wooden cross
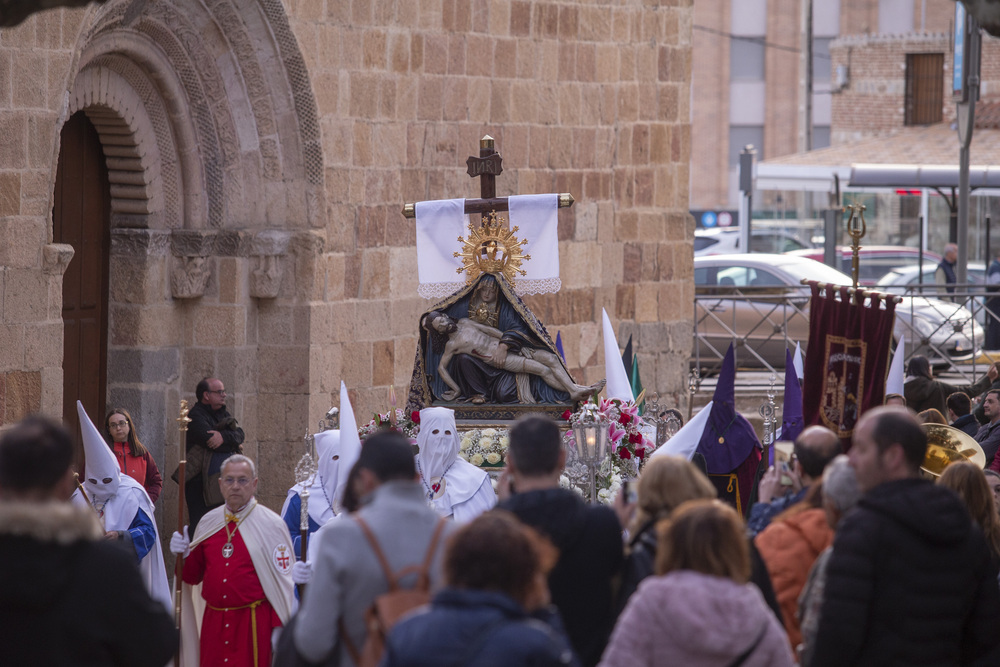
{"x": 487, "y": 167}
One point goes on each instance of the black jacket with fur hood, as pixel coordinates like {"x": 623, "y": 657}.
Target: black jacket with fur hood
{"x": 68, "y": 597}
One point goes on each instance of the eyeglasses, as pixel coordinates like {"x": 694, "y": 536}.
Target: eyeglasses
{"x": 216, "y": 391}
{"x": 239, "y": 481}
{"x": 121, "y": 424}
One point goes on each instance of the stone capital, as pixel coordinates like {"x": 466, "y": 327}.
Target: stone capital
{"x": 189, "y": 277}
{"x": 56, "y": 257}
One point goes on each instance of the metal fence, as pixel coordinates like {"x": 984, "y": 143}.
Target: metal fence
{"x": 948, "y": 327}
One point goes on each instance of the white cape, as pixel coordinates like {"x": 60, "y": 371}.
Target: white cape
{"x": 264, "y": 533}
{"x": 119, "y": 512}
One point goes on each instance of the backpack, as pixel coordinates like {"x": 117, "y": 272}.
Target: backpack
{"x": 387, "y": 609}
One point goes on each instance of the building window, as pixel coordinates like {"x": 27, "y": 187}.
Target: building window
{"x": 746, "y": 59}
{"x": 924, "y": 88}
{"x": 821, "y": 64}
{"x": 821, "y": 136}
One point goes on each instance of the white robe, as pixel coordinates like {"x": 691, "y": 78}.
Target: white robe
{"x": 265, "y": 534}
{"x": 119, "y": 512}
{"x": 467, "y": 493}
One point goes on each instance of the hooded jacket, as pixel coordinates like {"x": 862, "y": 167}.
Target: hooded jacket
{"x": 690, "y": 618}
{"x": 910, "y": 582}
{"x": 69, "y": 597}
{"x": 590, "y": 555}
{"x": 789, "y": 548}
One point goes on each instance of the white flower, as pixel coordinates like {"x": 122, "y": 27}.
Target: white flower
{"x": 476, "y": 460}
{"x": 564, "y": 482}
{"x": 603, "y": 495}
{"x": 489, "y": 432}
{"x": 504, "y": 441}
{"x": 493, "y": 458}
{"x": 495, "y": 483}
{"x": 487, "y": 443}
{"x": 466, "y": 441}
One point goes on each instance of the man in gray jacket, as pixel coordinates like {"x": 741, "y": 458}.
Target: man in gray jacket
{"x": 346, "y": 575}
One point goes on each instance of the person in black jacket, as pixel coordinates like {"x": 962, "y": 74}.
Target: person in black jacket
{"x": 910, "y": 579}
{"x": 67, "y": 595}
{"x": 213, "y": 435}
{"x": 588, "y": 537}
{"x": 923, "y": 392}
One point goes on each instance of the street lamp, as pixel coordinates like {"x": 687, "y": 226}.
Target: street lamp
{"x": 591, "y": 435}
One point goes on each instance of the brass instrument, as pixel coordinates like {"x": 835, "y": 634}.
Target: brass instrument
{"x": 947, "y": 444}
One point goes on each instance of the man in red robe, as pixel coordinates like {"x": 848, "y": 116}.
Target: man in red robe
{"x": 241, "y": 560}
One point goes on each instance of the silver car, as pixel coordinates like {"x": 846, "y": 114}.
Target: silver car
{"x": 758, "y": 301}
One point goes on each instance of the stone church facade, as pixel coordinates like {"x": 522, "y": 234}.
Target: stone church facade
{"x": 229, "y": 175}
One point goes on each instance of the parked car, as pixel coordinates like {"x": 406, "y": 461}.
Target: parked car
{"x": 874, "y": 261}
{"x": 905, "y": 280}
{"x": 724, "y": 240}
{"x": 759, "y": 298}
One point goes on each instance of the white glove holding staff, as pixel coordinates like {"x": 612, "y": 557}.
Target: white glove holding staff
{"x": 302, "y": 572}
{"x": 180, "y": 544}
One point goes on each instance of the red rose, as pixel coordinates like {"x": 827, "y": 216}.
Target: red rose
{"x": 566, "y": 415}
{"x": 624, "y": 419}
{"x": 635, "y": 438}
{"x": 415, "y": 416}
{"x": 625, "y": 453}
{"x": 640, "y": 454}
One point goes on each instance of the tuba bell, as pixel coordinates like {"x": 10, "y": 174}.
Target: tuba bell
{"x": 947, "y": 444}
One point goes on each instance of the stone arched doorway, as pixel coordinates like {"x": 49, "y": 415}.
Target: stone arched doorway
{"x": 207, "y": 121}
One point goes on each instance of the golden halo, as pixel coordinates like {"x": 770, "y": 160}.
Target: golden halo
{"x": 490, "y": 248}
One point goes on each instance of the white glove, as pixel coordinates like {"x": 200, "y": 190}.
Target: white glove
{"x": 302, "y": 572}
{"x": 180, "y": 544}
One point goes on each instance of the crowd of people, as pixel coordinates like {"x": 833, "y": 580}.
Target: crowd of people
{"x": 413, "y": 559}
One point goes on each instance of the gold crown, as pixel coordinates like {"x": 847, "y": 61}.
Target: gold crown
{"x": 491, "y": 248}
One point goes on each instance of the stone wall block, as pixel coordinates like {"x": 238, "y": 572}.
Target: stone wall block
{"x": 43, "y": 345}
{"x": 13, "y": 139}
{"x": 10, "y": 195}
{"x": 219, "y": 326}
{"x": 22, "y": 395}
{"x": 26, "y": 296}
{"x": 284, "y": 369}
{"x": 383, "y": 362}
{"x": 357, "y": 364}
{"x": 20, "y": 241}
{"x": 12, "y": 344}
{"x": 375, "y": 278}
{"x": 151, "y": 366}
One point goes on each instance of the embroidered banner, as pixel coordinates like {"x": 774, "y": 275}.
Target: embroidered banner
{"x": 849, "y": 336}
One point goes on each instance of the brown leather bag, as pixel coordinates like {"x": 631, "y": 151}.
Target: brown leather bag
{"x": 387, "y": 609}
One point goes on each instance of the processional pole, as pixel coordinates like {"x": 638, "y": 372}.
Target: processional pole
{"x": 183, "y": 420}
{"x": 304, "y": 474}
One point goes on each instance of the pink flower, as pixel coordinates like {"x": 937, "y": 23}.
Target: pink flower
{"x": 615, "y": 433}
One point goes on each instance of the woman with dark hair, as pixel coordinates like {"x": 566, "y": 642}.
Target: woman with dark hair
{"x": 700, "y": 610}
{"x": 922, "y": 391}
{"x": 133, "y": 458}
{"x": 495, "y": 609}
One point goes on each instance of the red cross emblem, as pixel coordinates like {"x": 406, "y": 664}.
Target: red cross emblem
{"x": 282, "y": 560}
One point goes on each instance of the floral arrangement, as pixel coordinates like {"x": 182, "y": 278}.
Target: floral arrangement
{"x": 407, "y": 424}
{"x": 628, "y": 446}
{"x": 485, "y": 447}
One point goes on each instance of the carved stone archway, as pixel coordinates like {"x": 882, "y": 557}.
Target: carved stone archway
{"x": 207, "y": 121}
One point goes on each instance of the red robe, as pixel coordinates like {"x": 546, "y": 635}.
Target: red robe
{"x": 230, "y": 584}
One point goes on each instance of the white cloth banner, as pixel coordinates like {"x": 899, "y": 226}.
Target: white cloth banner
{"x": 439, "y": 224}
{"x": 685, "y": 442}
{"x": 537, "y": 219}
{"x": 617, "y": 385}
